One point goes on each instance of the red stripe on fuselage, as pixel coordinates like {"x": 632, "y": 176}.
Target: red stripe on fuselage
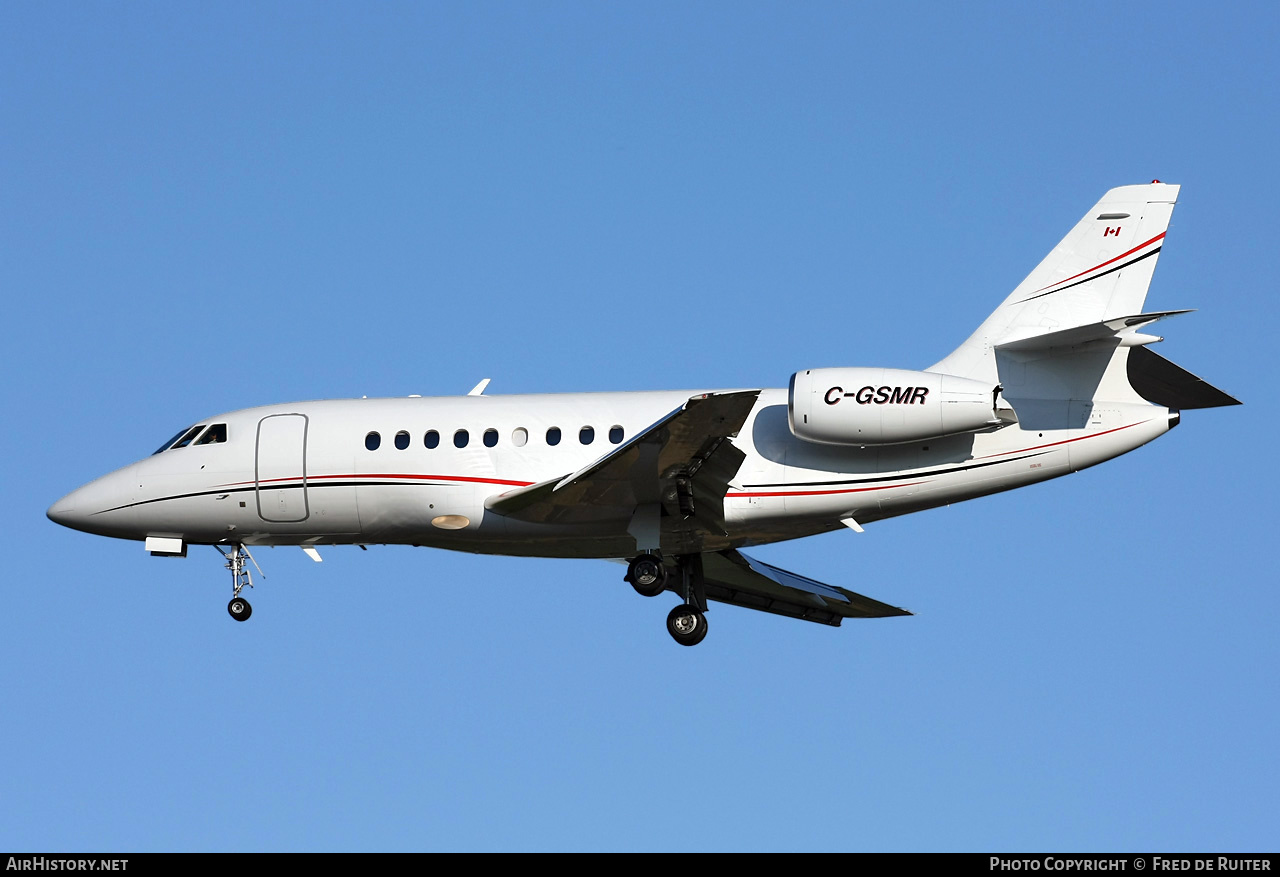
{"x": 926, "y": 474}
{"x": 823, "y": 492}
{"x": 391, "y": 475}
{"x": 510, "y": 483}
{"x": 1064, "y": 441}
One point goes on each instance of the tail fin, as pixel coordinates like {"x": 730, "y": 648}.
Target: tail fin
{"x": 1099, "y": 272}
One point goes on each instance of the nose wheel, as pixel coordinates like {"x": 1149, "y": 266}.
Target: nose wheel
{"x": 239, "y": 608}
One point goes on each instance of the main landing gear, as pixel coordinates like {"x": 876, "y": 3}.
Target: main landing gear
{"x": 647, "y": 575}
{"x": 687, "y": 623}
{"x": 239, "y": 607}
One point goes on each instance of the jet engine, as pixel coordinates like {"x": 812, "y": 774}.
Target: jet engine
{"x": 887, "y": 406}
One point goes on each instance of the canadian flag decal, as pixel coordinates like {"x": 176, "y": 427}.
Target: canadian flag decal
{"x": 1115, "y": 231}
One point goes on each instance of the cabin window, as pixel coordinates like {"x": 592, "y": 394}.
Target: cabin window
{"x": 164, "y": 447}
{"x": 191, "y": 433}
{"x": 460, "y": 438}
{"x": 490, "y": 438}
{"x": 431, "y": 439}
{"x": 214, "y": 435}
{"x": 520, "y": 437}
{"x": 615, "y": 435}
{"x": 553, "y": 435}
{"x": 586, "y": 435}
{"x": 372, "y": 441}
{"x": 402, "y": 440}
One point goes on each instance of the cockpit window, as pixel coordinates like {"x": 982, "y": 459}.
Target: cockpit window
{"x": 188, "y": 436}
{"x": 215, "y": 434}
{"x": 164, "y": 447}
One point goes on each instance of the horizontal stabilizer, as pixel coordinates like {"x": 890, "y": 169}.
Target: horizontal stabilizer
{"x": 733, "y": 577}
{"x": 1124, "y": 328}
{"x": 1159, "y": 381}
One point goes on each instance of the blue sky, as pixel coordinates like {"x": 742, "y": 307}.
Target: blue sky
{"x": 206, "y": 207}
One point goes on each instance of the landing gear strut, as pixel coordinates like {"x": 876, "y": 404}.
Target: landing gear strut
{"x": 239, "y": 607}
{"x": 687, "y": 623}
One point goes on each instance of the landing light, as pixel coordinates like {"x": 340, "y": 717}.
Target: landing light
{"x": 451, "y": 522}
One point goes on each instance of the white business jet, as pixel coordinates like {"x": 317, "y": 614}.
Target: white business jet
{"x": 675, "y": 483}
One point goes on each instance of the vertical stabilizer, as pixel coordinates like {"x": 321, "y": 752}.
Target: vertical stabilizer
{"x": 1099, "y": 271}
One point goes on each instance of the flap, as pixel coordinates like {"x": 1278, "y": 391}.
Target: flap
{"x": 733, "y": 577}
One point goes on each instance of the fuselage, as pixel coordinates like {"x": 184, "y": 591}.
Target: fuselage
{"x": 420, "y": 471}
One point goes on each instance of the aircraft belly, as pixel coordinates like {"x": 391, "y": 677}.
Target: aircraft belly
{"x": 751, "y": 511}
{"x": 569, "y": 546}
{"x": 1121, "y": 428}
{"x": 554, "y": 540}
{"x": 399, "y": 513}
{"x": 226, "y": 517}
{"x": 334, "y": 509}
{"x": 1051, "y": 463}
{"x": 914, "y": 477}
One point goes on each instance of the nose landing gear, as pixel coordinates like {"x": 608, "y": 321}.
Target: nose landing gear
{"x": 239, "y": 607}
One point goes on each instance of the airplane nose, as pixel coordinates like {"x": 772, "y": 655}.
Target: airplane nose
{"x": 65, "y": 512}
{"x": 101, "y": 506}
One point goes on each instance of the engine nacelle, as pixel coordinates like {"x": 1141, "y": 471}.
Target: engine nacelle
{"x": 886, "y": 406}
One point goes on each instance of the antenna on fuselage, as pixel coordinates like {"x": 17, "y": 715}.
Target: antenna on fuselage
{"x": 478, "y": 389}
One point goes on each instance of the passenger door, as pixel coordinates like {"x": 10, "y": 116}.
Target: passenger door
{"x": 281, "y": 471}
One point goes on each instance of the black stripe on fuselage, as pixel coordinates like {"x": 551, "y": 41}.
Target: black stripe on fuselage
{"x": 251, "y": 489}
{"x": 906, "y": 477}
{"x": 316, "y": 484}
{"x": 1096, "y": 276}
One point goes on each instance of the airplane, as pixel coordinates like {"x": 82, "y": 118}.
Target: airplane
{"x": 674, "y": 484}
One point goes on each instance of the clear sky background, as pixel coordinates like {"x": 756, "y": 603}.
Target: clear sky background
{"x": 206, "y": 207}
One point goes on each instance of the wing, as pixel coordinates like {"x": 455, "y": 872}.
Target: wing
{"x": 732, "y": 577}
{"x": 684, "y": 463}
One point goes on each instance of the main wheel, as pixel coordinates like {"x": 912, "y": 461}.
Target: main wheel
{"x": 240, "y": 609}
{"x": 687, "y": 625}
{"x": 647, "y": 575}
